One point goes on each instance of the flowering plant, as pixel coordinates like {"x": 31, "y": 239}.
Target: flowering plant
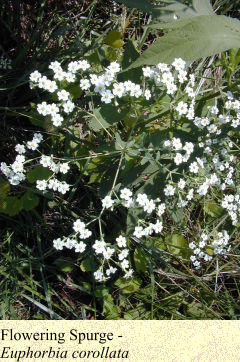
{"x": 164, "y": 156}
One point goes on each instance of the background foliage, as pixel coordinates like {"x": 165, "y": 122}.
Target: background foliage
{"x": 35, "y": 281}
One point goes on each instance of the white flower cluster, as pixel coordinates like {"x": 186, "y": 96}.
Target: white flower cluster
{"x": 16, "y": 171}
{"x": 217, "y": 244}
{"x": 172, "y": 77}
{"x": 106, "y": 251}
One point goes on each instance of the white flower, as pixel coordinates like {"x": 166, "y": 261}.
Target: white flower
{"x": 63, "y": 95}
{"x": 182, "y": 76}
{"x": 179, "y": 64}
{"x": 42, "y": 108}
{"x": 70, "y": 77}
{"x": 98, "y": 275}
{"x": 136, "y": 91}
{"x": 85, "y": 233}
{"x": 188, "y": 147}
{"x": 108, "y": 253}
{"x": 52, "y": 109}
{"x": 51, "y": 86}
{"x": 125, "y": 194}
{"x": 129, "y": 203}
{"x": 107, "y": 96}
{"x": 107, "y": 202}
{"x": 17, "y": 166}
{"x": 128, "y": 274}
{"x": 147, "y": 94}
{"x": 20, "y": 149}
{"x": 158, "y": 226}
{"x": 57, "y": 120}
{"x": 118, "y": 89}
{"x": 45, "y": 161}
{"x": 138, "y": 232}
{"x": 53, "y": 184}
{"x": 121, "y": 241}
{"x": 78, "y": 226}
{"x": 182, "y": 108}
{"x": 194, "y": 167}
{"x": 70, "y": 243}
{"x": 181, "y": 184}
{"x": 124, "y": 253}
{"x": 125, "y": 264}
{"x": 169, "y": 190}
{"x": 149, "y": 206}
{"x": 148, "y": 72}
{"x": 161, "y": 209}
{"x": 178, "y": 159}
{"x": 63, "y": 187}
{"x": 85, "y": 84}
{"x": 111, "y": 270}
{"x": 80, "y": 247}
{"x": 99, "y": 246}
{"x": 142, "y": 199}
{"x": 58, "y": 244}
{"x": 68, "y": 107}
{"x": 41, "y": 185}
{"x": 64, "y": 167}
{"x": 176, "y": 143}
{"x": 83, "y": 64}
{"x": 35, "y": 76}
{"x": 114, "y": 67}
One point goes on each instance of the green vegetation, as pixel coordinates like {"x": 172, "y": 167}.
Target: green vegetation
{"x": 134, "y": 142}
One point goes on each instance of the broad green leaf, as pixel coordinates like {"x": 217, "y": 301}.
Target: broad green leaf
{"x": 134, "y": 214}
{"x": 192, "y": 39}
{"x": 30, "y": 201}
{"x": 202, "y": 7}
{"x": 177, "y": 244}
{"x": 110, "y": 310}
{"x": 86, "y": 265}
{"x": 128, "y": 286}
{"x": 167, "y": 10}
{"x": 38, "y": 173}
{"x": 106, "y": 116}
{"x": 11, "y": 205}
{"x": 129, "y": 56}
{"x": 114, "y": 39}
{"x": 212, "y": 209}
{"x": 74, "y": 90}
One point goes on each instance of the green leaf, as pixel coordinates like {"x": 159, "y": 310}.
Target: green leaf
{"x": 202, "y": 7}
{"x": 134, "y": 214}
{"x": 177, "y": 244}
{"x": 74, "y": 90}
{"x": 106, "y": 116}
{"x": 129, "y": 56}
{"x": 65, "y": 264}
{"x": 128, "y": 286}
{"x": 167, "y": 11}
{"x": 38, "y": 173}
{"x": 86, "y": 264}
{"x": 4, "y": 190}
{"x": 11, "y": 205}
{"x": 191, "y": 39}
{"x": 110, "y": 310}
{"x": 212, "y": 209}
{"x": 114, "y": 39}
{"x": 140, "y": 260}
{"x": 29, "y": 201}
